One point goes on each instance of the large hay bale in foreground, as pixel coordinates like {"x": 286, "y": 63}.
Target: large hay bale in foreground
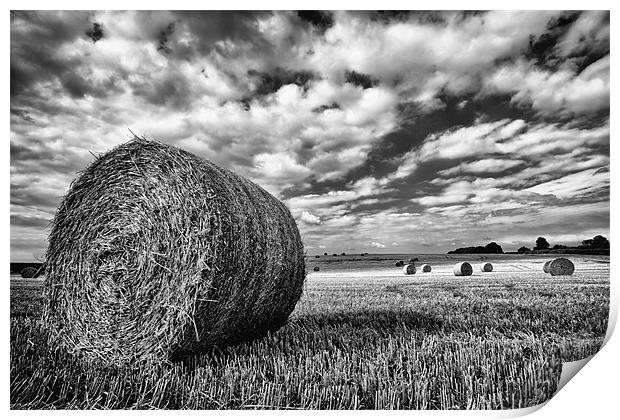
{"x": 463, "y": 269}
{"x": 28, "y": 273}
{"x": 409, "y": 269}
{"x": 155, "y": 252}
{"x": 546, "y": 266}
{"x": 486, "y": 267}
{"x": 426, "y": 268}
{"x": 561, "y": 267}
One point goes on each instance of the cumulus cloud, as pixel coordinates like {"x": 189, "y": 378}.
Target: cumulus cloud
{"x": 560, "y": 91}
{"x": 309, "y": 218}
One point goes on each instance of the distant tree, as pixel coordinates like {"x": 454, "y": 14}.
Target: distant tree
{"x": 559, "y": 247}
{"x": 541, "y": 243}
{"x": 325, "y": 253}
{"x": 598, "y": 242}
{"x": 493, "y": 248}
{"x": 344, "y": 253}
{"x": 523, "y": 250}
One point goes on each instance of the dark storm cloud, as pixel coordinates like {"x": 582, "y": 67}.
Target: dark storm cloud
{"x": 543, "y": 48}
{"x": 272, "y": 82}
{"x": 34, "y": 39}
{"x": 360, "y": 79}
{"x": 321, "y": 19}
{"x": 96, "y": 32}
{"x": 209, "y": 27}
{"x": 325, "y": 107}
{"x": 22, "y": 114}
{"x": 163, "y": 37}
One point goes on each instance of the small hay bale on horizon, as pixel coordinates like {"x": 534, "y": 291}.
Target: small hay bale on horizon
{"x": 546, "y": 266}
{"x": 28, "y": 272}
{"x": 486, "y": 267}
{"x": 561, "y": 267}
{"x": 426, "y": 268}
{"x": 412, "y": 260}
{"x": 156, "y": 253}
{"x": 400, "y": 263}
{"x": 463, "y": 269}
{"x": 409, "y": 269}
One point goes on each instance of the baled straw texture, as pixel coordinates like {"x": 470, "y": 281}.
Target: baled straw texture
{"x": 409, "y": 269}
{"x": 546, "y": 266}
{"x": 486, "y": 267}
{"x": 561, "y": 267}
{"x": 28, "y": 272}
{"x": 426, "y": 268}
{"x": 463, "y": 269}
{"x": 155, "y": 252}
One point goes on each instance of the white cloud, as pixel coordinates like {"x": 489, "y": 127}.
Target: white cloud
{"x": 560, "y": 91}
{"x": 310, "y": 218}
{"x": 376, "y": 245}
{"x": 574, "y": 185}
{"x": 483, "y": 166}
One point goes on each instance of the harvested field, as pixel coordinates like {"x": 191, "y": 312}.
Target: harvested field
{"x": 358, "y": 338}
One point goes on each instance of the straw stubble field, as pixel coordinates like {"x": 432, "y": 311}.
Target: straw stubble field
{"x": 358, "y": 339}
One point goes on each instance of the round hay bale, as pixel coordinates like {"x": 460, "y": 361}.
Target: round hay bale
{"x": 400, "y": 263}
{"x": 546, "y": 266}
{"x": 155, "y": 253}
{"x": 409, "y": 269}
{"x": 561, "y": 267}
{"x": 426, "y": 268}
{"x": 486, "y": 267}
{"x": 412, "y": 260}
{"x": 463, "y": 269}
{"x": 28, "y": 273}
{"x": 316, "y": 268}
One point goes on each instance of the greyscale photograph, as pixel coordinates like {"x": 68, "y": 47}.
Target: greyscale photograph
{"x": 315, "y": 210}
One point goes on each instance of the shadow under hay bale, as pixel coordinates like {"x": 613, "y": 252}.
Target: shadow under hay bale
{"x": 409, "y": 269}
{"x": 155, "y": 251}
{"x": 29, "y": 273}
{"x": 486, "y": 267}
{"x": 546, "y": 266}
{"x": 561, "y": 267}
{"x": 463, "y": 269}
{"x": 426, "y": 268}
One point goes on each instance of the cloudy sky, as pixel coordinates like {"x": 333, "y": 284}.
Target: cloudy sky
{"x": 383, "y": 132}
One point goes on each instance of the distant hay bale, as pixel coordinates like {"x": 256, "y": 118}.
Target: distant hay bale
{"x": 463, "y": 269}
{"x": 412, "y": 260}
{"x": 486, "y": 267}
{"x": 316, "y": 268}
{"x": 546, "y": 266}
{"x": 426, "y": 268}
{"x": 400, "y": 263}
{"x": 561, "y": 267}
{"x": 409, "y": 269}
{"x": 28, "y": 273}
{"x": 155, "y": 252}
